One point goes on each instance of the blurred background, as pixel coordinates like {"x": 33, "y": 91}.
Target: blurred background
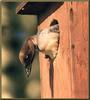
{"x": 15, "y": 29}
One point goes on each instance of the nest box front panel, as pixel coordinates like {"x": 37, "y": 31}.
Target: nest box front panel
{"x": 62, "y": 62}
{"x": 70, "y": 65}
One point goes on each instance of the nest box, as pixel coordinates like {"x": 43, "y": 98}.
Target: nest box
{"x": 70, "y": 68}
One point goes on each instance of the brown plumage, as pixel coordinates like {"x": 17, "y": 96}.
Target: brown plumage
{"x": 47, "y": 43}
{"x": 27, "y": 54}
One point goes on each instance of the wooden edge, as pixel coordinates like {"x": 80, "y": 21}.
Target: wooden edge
{"x": 20, "y": 6}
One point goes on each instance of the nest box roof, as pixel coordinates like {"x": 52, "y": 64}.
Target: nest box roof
{"x": 41, "y": 9}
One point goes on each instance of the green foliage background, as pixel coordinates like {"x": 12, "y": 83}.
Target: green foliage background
{"x": 15, "y": 29}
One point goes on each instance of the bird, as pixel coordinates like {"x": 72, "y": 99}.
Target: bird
{"x": 27, "y": 54}
{"x": 45, "y": 41}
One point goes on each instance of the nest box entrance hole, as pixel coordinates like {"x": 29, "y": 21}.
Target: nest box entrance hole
{"x": 54, "y": 22}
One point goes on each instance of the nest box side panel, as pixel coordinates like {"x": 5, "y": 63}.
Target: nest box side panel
{"x": 79, "y": 47}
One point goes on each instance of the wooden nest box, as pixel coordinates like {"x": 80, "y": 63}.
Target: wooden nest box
{"x": 70, "y": 68}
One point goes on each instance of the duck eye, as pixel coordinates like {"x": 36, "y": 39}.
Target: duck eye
{"x": 27, "y": 60}
{"x": 27, "y": 57}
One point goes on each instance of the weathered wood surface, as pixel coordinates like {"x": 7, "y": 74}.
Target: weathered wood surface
{"x": 71, "y": 64}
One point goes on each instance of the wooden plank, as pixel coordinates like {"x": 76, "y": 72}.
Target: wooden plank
{"x": 61, "y": 67}
{"x": 79, "y": 41}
